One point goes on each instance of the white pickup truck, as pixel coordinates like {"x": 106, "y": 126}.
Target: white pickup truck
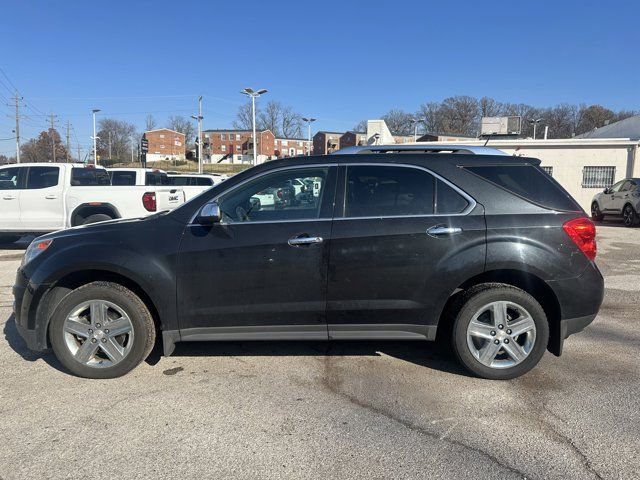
{"x": 194, "y": 184}
{"x": 43, "y": 197}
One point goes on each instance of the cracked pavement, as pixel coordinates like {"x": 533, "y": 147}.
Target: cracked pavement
{"x": 334, "y": 410}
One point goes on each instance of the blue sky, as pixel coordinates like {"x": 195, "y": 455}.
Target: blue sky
{"x": 338, "y": 61}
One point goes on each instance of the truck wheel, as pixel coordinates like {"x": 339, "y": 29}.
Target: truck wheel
{"x": 101, "y": 330}
{"x": 500, "y": 332}
{"x": 95, "y": 218}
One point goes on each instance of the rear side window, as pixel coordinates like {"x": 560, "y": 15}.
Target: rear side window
{"x": 203, "y": 181}
{"x": 179, "y": 180}
{"x": 42, "y": 177}
{"x": 374, "y": 191}
{"x": 89, "y": 177}
{"x": 528, "y": 182}
{"x": 156, "y": 178}
{"x": 123, "y": 178}
{"x": 448, "y": 201}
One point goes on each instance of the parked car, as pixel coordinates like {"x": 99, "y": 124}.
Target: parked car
{"x": 138, "y": 176}
{"x": 622, "y": 199}
{"x": 482, "y": 249}
{"x": 44, "y": 197}
{"x": 194, "y": 184}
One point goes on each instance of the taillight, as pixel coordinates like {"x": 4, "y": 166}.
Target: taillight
{"x": 149, "y": 201}
{"x": 583, "y": 233}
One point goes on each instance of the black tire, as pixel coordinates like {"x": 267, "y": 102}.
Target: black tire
{"x": 629, "y": 216}
{"x": 144, "y": 332}
{"x": 95, "y": 218}
{"x": 474, "y": 300}
{"x": 596, "y": 214}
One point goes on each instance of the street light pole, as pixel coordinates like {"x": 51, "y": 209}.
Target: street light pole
{"x": 535, "y": 123}
{"x": 249, "y": 92}
{"x": 309, "y": 120}
{"x": 95, "y": 146}
{"x": 199, "y": 118}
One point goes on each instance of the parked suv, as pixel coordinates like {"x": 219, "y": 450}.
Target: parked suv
{"x": 620, "y": 199}
{"x": 484, "y": 249}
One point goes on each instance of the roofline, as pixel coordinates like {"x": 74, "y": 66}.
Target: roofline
{"x": 160, "y": 129}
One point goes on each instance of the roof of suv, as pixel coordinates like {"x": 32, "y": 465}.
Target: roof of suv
{"x": 415, "y": 148}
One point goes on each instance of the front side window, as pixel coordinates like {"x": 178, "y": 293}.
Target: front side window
{"x": 378, "y": 191}
{"x": 123, "y": 178}
{"x": 9, "y": 178}
{"x": 89, "y": 177}
{"x": 42, "y": 177}
{"x": 274, "y": 197}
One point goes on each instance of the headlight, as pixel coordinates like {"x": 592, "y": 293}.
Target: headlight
{"x": 35, "y": 248}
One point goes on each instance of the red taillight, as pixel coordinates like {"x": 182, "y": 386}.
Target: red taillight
{"x": 583, "y": 233}
{"x": 149, "y": 201}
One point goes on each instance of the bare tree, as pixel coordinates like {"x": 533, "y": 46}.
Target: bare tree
{"x": 399, "y": 122}
{"x": 150, "y": 122}
{"x": 244, "y": 119}
{"x": 40, "y": 149}
{"x": 183, "y": 125}
{"x": 490, "y": 107}
{"x": 360, "y": 127}
{"x": 119, "y": 134}
{"x": 269, "y": 118}
{"x": 430, "y": 115}
{"x": 290, "y": 123}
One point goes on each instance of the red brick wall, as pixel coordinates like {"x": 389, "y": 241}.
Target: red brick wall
{"x": 163, "y": 142}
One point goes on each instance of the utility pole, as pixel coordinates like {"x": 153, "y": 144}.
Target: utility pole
{"x": 17, "y": 100}
{"x": 53, "y": 137}
{"x": 309, "y": 120}
{"x": 249, "y": 92}
{"x": 109, "y": 144}
{"x": 95, "y": 147}
{"x": 79, "y": 159}
{"x": 68, "y": 144}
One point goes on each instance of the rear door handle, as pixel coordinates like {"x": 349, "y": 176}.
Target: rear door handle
{"x": 441, "y": 231}
{"x": 51, "y": 197}
{"x": 8, "y": 197}
{"x": 300, "y": 240}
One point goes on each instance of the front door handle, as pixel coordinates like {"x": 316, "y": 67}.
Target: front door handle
{"x": 300, "y": 240}
{"x": 441, "y": 231}
{"x": 9, "y": 197}
{"x": 51, "y": 197}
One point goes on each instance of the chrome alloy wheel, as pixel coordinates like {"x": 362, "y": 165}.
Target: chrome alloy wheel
{"x": 98, "y": 333}
{"x": 501, "y": 334}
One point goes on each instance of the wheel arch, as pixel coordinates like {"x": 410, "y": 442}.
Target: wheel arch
{"x": 85, "y": 210}
{"x": 530, "y": 283}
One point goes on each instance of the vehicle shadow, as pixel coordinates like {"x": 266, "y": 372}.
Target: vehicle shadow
{"x": 19, "y": 346}
{"x": 611, "y": 222}
{"x": 433, "y": 355}
{"x": 21, "y": 244}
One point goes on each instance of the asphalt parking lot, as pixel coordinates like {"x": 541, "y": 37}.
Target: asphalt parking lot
{"x": 338, "y": 410}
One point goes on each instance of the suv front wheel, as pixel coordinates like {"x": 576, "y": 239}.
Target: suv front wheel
{"x": 500, "y": 332}
{"x": 101, "y": 330}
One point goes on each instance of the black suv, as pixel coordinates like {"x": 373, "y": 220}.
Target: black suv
{"x": 394, "y": 243}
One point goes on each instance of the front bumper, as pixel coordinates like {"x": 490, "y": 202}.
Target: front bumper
{"x": 25, "y": 308}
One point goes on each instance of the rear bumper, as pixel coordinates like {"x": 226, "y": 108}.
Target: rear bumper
{"x": 580, "y": 299}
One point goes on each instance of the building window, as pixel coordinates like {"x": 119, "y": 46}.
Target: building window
{"x": 548, "y": 170}
{"x": 598, "y": 177}
{"x": 223, "y": 136}
{"x": 237, "y": 136}
{"x": 161, "y": 135}
{"x": 223, "y": 148}
{"x": 237, "y": 148}
{"x": 161, "y": 146}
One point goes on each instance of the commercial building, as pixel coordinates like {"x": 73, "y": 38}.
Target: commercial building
{"x": 165, "y": 144}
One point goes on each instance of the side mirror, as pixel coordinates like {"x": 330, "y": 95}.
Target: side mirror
{"x": 209, "y": 214}
{"x": 606, "y": 190}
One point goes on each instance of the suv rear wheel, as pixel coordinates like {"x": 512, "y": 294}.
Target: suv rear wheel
{"x": 500, "y": 332}
{"x": 101, "y": 330}
{"x": 596, "y": 214}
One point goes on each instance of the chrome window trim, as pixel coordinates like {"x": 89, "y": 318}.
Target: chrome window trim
{"x": 472, "y": 202}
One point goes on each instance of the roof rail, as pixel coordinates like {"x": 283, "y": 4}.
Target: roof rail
{"x": 464, "y": 149}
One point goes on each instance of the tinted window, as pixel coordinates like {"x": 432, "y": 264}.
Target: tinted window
{"x": 89, "y": 177}
{"x": 528, "y": 182}
{"x": 42, "y": 177}
{"x": 203, "y": 181}
{"x": 448, "y": 201}
{"x": 123, "y": 178}
{"x": 9, "y": 178}
{"x": 178, "y": 180}
{"x": 156, "y": 178}
{"x": 374, "y": 191}
{"x": 626, "y": 186}
{"x": 273, "y": 197}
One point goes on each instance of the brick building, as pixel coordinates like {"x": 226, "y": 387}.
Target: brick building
{"x": 291, "y": 147}
{"x": 351, "y": 139}
{"x": 326, "y": 142}
{"x": 236, "y": 146}
{"x": 165, "y": 144}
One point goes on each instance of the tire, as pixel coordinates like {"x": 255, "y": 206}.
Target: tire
{"x": 596, "y": 214}
{"x": 95, "y": 218}
{"x": 478, "y": 305}
{"x": 629, "y": 216}
{"x": 118, "y": 305}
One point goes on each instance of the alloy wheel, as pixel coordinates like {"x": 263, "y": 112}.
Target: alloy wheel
{"x": 98, "y": 333}
{"x": 628, "y": 215}
{"x": 501, "y": 334}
